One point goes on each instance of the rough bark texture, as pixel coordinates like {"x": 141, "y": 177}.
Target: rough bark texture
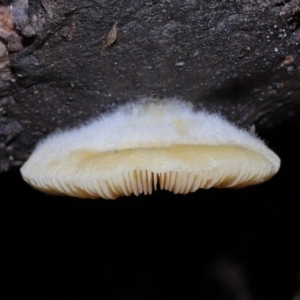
{"x": 77, "y": 59}
{"x": 63, "y": 62}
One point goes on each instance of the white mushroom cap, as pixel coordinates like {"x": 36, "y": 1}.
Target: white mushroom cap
{"x": 143, "y": 145}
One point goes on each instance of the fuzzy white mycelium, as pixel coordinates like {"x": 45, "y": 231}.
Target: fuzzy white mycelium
{"x": 145, "y": 144}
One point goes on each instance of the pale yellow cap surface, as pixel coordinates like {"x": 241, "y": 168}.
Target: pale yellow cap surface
{"x": 180, "y": 169}
{"x": 141, "y": 147}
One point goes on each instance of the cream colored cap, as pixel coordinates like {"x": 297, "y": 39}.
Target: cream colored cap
{"x": 142, "y": 146}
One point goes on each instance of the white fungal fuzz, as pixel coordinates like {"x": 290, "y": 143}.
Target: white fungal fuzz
{"x": 252, "y": 130}
{"x": 142, "y": 145}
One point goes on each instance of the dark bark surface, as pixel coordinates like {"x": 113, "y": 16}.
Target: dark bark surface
{"x": 239, "y": 58}
{"x": 62, "y": 63}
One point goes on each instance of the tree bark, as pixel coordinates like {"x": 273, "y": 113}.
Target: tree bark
{"x": 64, "y": 62}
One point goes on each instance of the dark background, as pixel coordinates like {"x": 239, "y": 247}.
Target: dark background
{"x": 239, "y": 58}
{"x": 211, "y": 244}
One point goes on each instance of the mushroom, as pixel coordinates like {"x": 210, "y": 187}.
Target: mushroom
{"x": 147, "y": 144}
